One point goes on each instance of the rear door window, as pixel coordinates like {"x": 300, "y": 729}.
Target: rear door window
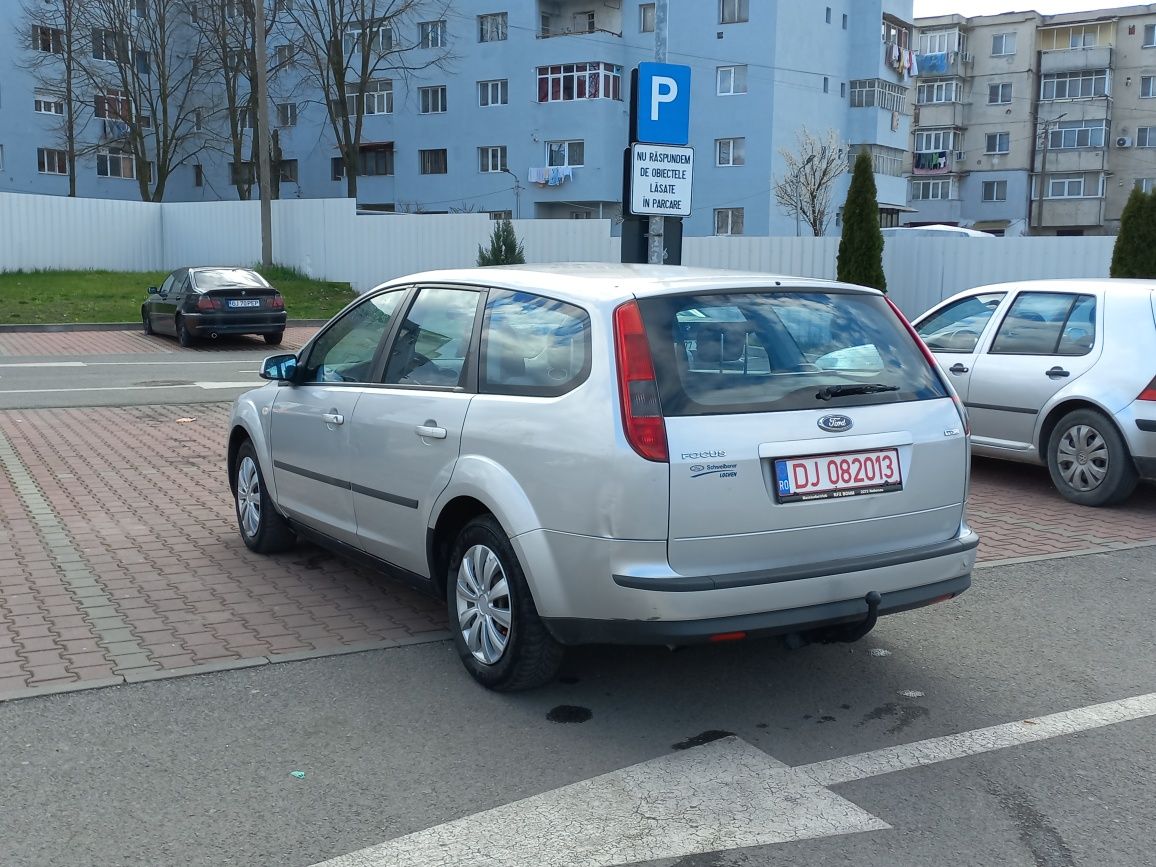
{"x": 1047, "y": 323}
{"x": 957, "y": 327}
{"x": 768, "y": 351}
{"x": 533, "y": 345}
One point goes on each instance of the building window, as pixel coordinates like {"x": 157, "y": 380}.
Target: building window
{"x": 565, "y": 153}
{"x": 646, "y": 18}
{"x": 198, "y": 175}
{"x": 828, "y": 14}
{"x": 998, "y": 143}
{"x": 1078, "y": 134}
{"x": 845, "y": 20}
{"x": 337, "y": 168}
{"x": 284, "y": 55}
{"x": 432, "y": 100}
{"x": 876, "y": 93}
{"x": 1149, "y": 36}
{"x": 574, "y": 81}
{"x": 1146, "y": 185}
{"x": 1074, "y": 85}
{"x": 113, "y": 104}
{"x": 1071, "y": 186}
{"x": 939, "y": 90}
{"x": 143, "y": 64}
{"x": 492, "y": 28}
{"x": 242, "y": 173}
{"x": 431, "y": 34}
{"x": 1003, "y": 44}
{"x": 1146, "y": 136}
{"x": 995, "y": 191}
{"x": 495, "y": 92}
{"x": 733, "y": 12}
{"x": 731, "y": 80}
{"x": 999, "y": 94}
{"x": 108, "y": 45}
{"x": 433, "y": 162}
{"x": 886, "y": 161}
{"x": 931, "y": 191}
{"x": 286, "y": 114}
{"x": 941, "y": 41}
{"x": 50, "y": 40}
{"x": 47, "y": 104}
{"x": 501, "y": 215}
{"x": 728, "y": 221}
{"x": 51, "y": 162}
{"x": 826, "y": 84}
{"x": 288, "y": 171}
{"x": 934, "y": 141}
{"x": 492, "y": 159}
{"x": 375, "y": 37}
{"x": 376, "y": 160}
{"x": 115, "y": 163}
{"x": 730, "y": 151}
{"x": 1148, "y": 87}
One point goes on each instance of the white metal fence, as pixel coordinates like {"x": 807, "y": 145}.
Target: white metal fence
{"x": 327, "y": 238}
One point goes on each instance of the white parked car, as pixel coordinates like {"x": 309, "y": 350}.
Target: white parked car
{"x": 591, "y": 453}
{"x": 1057, "y": 372}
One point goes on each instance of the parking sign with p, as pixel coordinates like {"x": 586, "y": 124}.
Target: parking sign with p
{"x": 663, "y": 108}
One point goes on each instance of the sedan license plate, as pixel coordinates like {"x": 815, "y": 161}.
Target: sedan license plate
{"x": 244, "y": 302}
{"x": 829, "y": 477}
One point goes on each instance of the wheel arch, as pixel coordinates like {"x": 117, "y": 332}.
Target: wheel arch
{"x": 1061, "y": 409}
{"x": 440, "y": 537}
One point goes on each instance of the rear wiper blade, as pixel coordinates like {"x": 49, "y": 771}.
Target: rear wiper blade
{"x": 865, "y": 388}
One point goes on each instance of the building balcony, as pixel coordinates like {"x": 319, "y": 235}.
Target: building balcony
{"x": 939, "y": 114}
{"x": 1075, "y": 59}
{"x": 936, "y": 162}
{"x": 1057, "y": 213}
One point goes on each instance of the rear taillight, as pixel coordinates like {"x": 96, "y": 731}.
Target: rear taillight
{"x": 208, "y": 302}
{"x": 931, "y": 360}
{"x": 638, "y": 389}
{"x": 1150, "y": 392}
{"x": 277, "y": 302}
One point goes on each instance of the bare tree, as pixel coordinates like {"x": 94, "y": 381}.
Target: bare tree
{"x": 350, "y": 51}
{"x": 50, "y": 38}
{"x": 143, "y": 71}
{"x": 805, "y": 188}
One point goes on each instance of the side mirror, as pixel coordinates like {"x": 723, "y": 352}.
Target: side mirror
{"x": 279, "y": 368}
{"x": 153, "y": 290}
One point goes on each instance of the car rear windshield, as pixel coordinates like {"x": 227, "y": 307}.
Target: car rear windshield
{"x": 228, "y": 278}
{"x": 769, "y": 351}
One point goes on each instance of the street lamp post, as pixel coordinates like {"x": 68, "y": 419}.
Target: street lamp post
{"x": 517, "y": 194}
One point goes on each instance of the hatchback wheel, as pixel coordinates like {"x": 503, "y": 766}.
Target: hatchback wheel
{"x": 184, "y": 336}
{"x": 497, "y": 631}
{"x": 262, "y": 528}
{"x": 1089, "y": 460}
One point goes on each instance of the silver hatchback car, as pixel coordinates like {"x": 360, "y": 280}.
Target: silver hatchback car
{"x": 617, "y": 454}
{"x": 1057, "y": 372}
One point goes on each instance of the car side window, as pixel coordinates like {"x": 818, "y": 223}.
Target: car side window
{"x": 433, "y": 341}
{"x": 533, "y": 345}
{"x": 168, "y": 284}
{"x": 346, "y": 350}
{"x": 1038, "y": 321}
{"x": 957, "y": 327}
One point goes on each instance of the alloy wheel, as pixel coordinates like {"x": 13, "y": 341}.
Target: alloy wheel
{"x": 483, "y": 603}
{"x": 249, "y": 496}
{"x": 1082, "y": 457}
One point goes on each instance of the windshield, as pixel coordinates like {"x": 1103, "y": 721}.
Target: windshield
{"x": 762, "y": 351}
{"x": 228, "y": 278}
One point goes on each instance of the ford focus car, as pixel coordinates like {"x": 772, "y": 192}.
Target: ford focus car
{"x": 582, "y": 454}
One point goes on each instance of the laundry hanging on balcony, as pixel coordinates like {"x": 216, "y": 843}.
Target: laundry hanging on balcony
{"x": 552, "y": 176}
{"x": 930, "y": 163}
{"x": 934, "y": 64}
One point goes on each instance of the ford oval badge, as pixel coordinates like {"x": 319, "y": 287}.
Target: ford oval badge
{"x": 835, "y": 423}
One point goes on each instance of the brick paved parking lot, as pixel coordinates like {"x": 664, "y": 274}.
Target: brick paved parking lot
{"x": 123, "y": 561}
{"x": 122, "y": 342}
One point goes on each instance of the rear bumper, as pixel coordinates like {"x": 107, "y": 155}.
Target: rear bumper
{"x": 847, "y": 611}
{"x": 204, "y": 324}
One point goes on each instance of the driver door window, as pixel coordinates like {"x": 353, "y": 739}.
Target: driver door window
{"x": 167, "y": 286}
{"x": 345, "y": 352}
{"x": 433, "y": 342}
{"x": 958, "y": 327}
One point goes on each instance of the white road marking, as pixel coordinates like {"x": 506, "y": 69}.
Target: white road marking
{"x": 45, "y": 364}
{"x": 248, "y": 383}
{"x": 973, "y": 743}
{"x": 185, "y": 363}
{"x": 724, "y": 795}
{"x": 201, "y": 385}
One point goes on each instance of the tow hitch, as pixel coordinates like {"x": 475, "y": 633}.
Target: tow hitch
{"x": 845, "y": 633}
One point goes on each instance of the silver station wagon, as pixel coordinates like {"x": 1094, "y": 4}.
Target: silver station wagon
{"x": 1057, "y": 372}
{"x": 581, "y": 454}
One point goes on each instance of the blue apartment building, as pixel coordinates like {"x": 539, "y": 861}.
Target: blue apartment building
{"x": 528, "y": 114}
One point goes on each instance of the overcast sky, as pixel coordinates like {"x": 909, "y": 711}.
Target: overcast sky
{"x": 925, "y": 8}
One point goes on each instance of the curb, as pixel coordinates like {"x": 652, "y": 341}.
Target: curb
{"x": 54, "y": 328}
{"x": 151, "y": 675}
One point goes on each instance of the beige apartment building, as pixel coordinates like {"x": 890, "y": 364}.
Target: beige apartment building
{"x": 1025, "y": 123}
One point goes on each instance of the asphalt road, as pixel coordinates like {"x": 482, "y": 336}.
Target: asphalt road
{"x": 123, "y": 380}
{"x": 199, "y": 770}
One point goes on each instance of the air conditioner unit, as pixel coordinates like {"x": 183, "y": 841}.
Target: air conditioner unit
{"x": 1123, "y": 142}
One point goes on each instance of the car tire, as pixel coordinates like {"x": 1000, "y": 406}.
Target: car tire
{"x": 275, "y": 338}
{"x": 262, "y": 527}
{"x": 184, "y": 336}
{"x": 1089, "y": 460}
{"x": 147, "y": 321}
{"x": 517, "y": 655}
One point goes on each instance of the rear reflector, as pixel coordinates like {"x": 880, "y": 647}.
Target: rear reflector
{"x": 729, "y": 636}
{"x": 637, "y": 388}
{"x": 930, "y": 358}
{"x": 938, "y": 599}
{"x": 1150, "y": 392}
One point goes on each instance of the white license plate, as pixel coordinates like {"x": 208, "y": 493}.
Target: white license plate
{"x": 244, "y": 302}
{"x": 827, "y": 477}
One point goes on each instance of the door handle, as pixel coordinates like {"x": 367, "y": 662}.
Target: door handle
{"x": 958, "y": 368}
{"x": 430, "y": 430}
{"x": 1058, "y": 372}
{"x": 333, "y": 418}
